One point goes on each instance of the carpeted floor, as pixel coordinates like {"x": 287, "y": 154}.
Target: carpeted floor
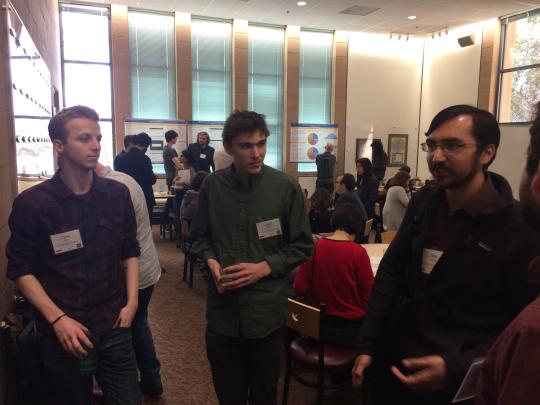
{"x": 177, "y": 318}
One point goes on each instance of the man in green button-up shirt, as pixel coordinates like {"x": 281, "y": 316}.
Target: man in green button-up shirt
{"x": 251, "y": 229}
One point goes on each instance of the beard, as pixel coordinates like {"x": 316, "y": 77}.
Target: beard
{"x": 453, "y": 180}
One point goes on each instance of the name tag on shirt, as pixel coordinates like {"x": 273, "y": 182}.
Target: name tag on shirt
{"x": 66, "y": 241}
{"x": 202, "y": 156}
{"x": 430, "y": 257}
{"x": 267, "y": 229}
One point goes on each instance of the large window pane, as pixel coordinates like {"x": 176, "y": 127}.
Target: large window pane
{"x": 106, "y": 156}
{"x": 86, "y": 33}
{"x": 89, "y": 85}
{"x": 522, "y": 45}
{"x": 521, "y": 91}
{"x": 153, "y": 74}
{"x": 315, "y": 82}
{"x": 211, "y": 69}
{"x": 265, "y": 84}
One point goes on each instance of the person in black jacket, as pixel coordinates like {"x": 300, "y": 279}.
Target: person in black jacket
{"x": 139, "y": 166}
{"x": 202, "y": 153}
{"x": 379, "y": 159}
{"x": 455, "y": 274}
{"x": 367, "y": 185}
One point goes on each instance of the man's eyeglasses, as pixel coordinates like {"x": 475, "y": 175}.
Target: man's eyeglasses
{"x": 447, "y": 147}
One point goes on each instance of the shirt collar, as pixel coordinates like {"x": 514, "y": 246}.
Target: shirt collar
{"x": 486, "y": 200}
{"x": 253, "y": 179}
{"x": 63, "y": 191}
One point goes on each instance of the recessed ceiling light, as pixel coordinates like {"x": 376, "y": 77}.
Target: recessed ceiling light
{"x": 412, "y": 17}
{"x": 301, "y": 3}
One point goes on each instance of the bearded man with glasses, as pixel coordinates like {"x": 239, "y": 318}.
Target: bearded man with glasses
{"x": 455, "y": 274}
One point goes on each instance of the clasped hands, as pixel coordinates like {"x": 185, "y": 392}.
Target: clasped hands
{"x": 427, "y": 373}
{"x": 238, "y": 275}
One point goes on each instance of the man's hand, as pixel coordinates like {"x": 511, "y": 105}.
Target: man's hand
{"x": 362, "y": 362}
{"x": 244, "y": 274}
{"x": 73, "y": 336}
{"x": 126, "y": 315}
{"x": 429, "y": 373}
{"x": 215, "y": 271}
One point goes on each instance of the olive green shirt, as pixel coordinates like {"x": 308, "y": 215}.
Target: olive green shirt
{"x": 224, "y": 228}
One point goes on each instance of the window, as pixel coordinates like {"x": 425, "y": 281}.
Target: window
{"x": 153, "y": 72}
{"x": 86, "y": 66}
{"x": 519, "y": 83}
{"x": 211, "y": 43}
{"x": 265, "y": 84}
{"x": 315, "y": 82}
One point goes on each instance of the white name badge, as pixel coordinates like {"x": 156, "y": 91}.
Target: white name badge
{"x": 267, "y": 229}
{"x": 202, "y": 156}
{"x": 66, "y": 241}
{"x": 430, "y": 257}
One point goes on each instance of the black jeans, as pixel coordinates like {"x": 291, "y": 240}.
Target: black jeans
{"x": 145, "y": 352}
{"x": 116, "y": 370}
{"x": 245, "y": 369}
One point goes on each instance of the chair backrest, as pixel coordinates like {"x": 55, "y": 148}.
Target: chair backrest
{"x": 388, "y": 236}
{"x": 377, "y": 209}
{"x": 303, "y": 318}
{"x": 367, "y": 227}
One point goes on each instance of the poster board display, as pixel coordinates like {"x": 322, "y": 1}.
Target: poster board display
{"x": 308, "y": 140}
{"x": 213, "y": 128}
{"x": 397, "y": 149}
{"x": 156, "y": 130}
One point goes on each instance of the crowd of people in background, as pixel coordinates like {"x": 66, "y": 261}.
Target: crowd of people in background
{"x": 461, "y": 268}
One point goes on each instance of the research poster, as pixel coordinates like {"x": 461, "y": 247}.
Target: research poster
{"x": 156, "y": 129}
{"x": 213, "y": 128}
{"x": 308, "y": 140}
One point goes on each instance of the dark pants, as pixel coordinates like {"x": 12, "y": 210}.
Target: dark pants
{"x": 327, "y": 183}
{"x": 169, "y": 182}
{"x": 145, "y": 353}
{"x": 342, "y": 332}
{"x": 245, "y": 368}
{"x": 116, "y": 370}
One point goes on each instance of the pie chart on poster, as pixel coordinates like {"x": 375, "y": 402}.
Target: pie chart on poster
{"x": 312, "y": 138}
{"x": 312, "y": 153}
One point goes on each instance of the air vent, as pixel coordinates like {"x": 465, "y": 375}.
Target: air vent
{"x": 359, "y": 10}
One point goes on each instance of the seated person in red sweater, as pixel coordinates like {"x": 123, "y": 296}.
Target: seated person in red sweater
{"x": 339, "y": 274}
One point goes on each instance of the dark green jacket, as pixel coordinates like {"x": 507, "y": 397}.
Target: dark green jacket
{"x": 224, "y": 229}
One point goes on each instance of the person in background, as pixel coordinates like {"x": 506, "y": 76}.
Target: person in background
{"x": 326, "y": 162}
{"x": 397, "y": 201}
{"x": 150, "y": 272}
{"x": 252, "y": 230}
{"x": 339, "y": 274}
{"x": 319, "y": 211}
{"x": 367, "y": 185}
{"x": 379, "y": 158}
{"x": 138, "y": 165}
{"x": 186, "y": 163}
{"x": 202, "y": 153}
{"x": 74, "y": 255}
{"x": 345, "y": 189}
{"x": 189, "y": 202}
{"x": 170, "y": 157}
{"x": 511, "y": 371}
{"x": 455, "y": 274}
{"x": 128, "y": 144}
{"x": 222, "y": 159}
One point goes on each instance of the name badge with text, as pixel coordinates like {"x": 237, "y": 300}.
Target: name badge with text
{"x": 202, "y": 156}
{"x": 430, "y": 257}
{"x": 66, "y": 241}
{"x": 267, "y": 229}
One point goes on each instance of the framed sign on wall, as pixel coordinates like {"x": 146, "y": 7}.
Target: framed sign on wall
{"x": 397, "y": 149}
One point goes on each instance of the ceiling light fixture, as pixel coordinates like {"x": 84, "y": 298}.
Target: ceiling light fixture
{"x": 301, "y": 3}
{"x": 412, "y": 17}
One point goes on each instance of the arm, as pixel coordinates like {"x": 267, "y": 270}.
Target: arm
{"x": 365, "y": 276}
{"x": 402, "y": 196}
{"x": 199, "y": 231}
{"x": 301, "y": 280}
{"x": 132, "y": 289}
{"x": 211, "y": 157}
{"x": 71, "y": 334}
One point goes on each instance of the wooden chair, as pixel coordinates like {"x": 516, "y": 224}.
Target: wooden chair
{"x": 388, "y": 236}
{"x": 310, "y": 352}
{"x": 189, "y": 258}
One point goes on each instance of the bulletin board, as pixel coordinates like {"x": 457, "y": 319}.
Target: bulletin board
{"x": 156, "y": 130}
{"x": 309, "y": 140}
{"x": 213, "y": 128}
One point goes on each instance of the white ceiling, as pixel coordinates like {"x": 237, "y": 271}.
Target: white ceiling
{"x": 391, "y": 16}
